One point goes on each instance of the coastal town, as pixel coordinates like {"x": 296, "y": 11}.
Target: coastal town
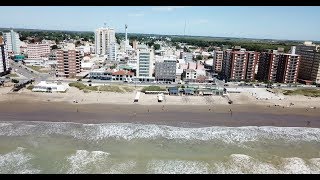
{"x": 159, "y": 90}
{"x": 125, "y": 71}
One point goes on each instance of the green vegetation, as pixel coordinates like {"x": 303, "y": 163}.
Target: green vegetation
{"x": 111, "y": 89}
{"x": 113, "y": 66}
{"x": 156, "y": 46}
{"x": 38, "y": 69}
{"x": 152, "y": 88}
{"x": 82, "y": 86}
{"x": 15, "y": 81}
{"x": 30, "y": 87}
{"x": 106, "y": 88}
{"x": 304, "y": 92}
{"x": 128, "y": 89}
{"x": 199, "y": 57}
{"x": 250, "y": 45}
{"x": 12, "y": 75}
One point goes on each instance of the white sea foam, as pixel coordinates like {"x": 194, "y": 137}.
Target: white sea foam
{"x": 243, "y": 164}
{"x": 122, "y": 168}
{"x": 87, "y": 162}
{"x": 17, "y": 162}
{"x": 177, "y": 167}
{"x": 129, "y": 131}
{"x": 240, "y": 163}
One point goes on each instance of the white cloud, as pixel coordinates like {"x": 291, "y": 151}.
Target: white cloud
{"x": 136, "y": 14}
{"x": 167, "y": 8}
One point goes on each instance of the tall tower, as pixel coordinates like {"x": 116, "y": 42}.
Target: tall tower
{"x": 126, "y": 41}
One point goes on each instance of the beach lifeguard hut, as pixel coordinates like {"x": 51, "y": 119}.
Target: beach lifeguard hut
{"x": 160, "y": 97}
{"x": 136, "y": 98}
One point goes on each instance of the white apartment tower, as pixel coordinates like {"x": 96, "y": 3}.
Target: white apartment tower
{"x": 103, "y": 38}
{"x": 145, "y": 63}
{"x": 4, "y": 61}
{"x": 12, "y": 42}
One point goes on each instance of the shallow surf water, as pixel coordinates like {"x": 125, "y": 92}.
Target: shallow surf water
{"x": 51, "y": 147}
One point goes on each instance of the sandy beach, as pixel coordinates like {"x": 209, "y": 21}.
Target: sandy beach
{"x": 104, "y": 107}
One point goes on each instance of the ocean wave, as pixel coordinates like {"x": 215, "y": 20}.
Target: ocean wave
{"x": 17, "y": 162}
{"x": 129, "y": 131}
{"x": 244, "y": 164}
{"x": 177, "y": 167}
{"x": 87, "y": 162}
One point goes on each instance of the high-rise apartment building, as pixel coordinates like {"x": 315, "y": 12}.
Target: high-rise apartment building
{"x": 112, "y": 51}
{"x": 145, "y": 63}
{"x": 278, "y": 67}
{"x": 309, "y": 68}
{"x": 69, "y": 63}
{"x": 252, "y": 63}
{"x": 38, "y": 51}
{"x": 217, "y": 61}
{"x": 239, "y": 64}
{"x": 4, "y": 61}
{"x": 165, "y": 68}
{"x": 104, "y": 37}
{"x": 12, "y": 42}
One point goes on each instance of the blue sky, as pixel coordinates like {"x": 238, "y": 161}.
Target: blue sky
{"x": 269, "y": 22}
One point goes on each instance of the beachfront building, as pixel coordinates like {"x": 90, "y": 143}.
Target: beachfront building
{"x": 102, "y": 74}
{"x": 69, "y": 63}
{"x": 252, "y": 62}
{"x": 235, "y": 63}
{"x": 145, "y": 65}
{"x": 278, "y": 67}
{"x": 104, "y": 37}
{"x": 239, "y": 64}
{"x": 38, "y": 51}
{"x": 217, "y": 61}
{"x": 12, "y": 42}
{"x": 309, "y": 68}
{"x": 122, "y": 75}
{"x": 4, "y": 61}
{"x": 44, "y": 86}
{"x": 165, "y": 68}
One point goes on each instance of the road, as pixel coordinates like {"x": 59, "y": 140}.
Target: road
{"x": 29, "y": 73}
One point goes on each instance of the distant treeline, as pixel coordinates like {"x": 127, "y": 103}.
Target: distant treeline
{"x": 249, "y": 45}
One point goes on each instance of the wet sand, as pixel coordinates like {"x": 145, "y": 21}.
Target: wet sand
{"x": 173, "y": 115}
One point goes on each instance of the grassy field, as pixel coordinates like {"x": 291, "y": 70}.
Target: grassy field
{"x": 153, "y": 88}
{"x": 37, "y": 68}
{"x": 13, "y": 75}
{"x": 105, "y": 88}
{"x": 304, "y": 92}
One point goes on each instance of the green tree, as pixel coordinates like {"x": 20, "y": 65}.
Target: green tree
{"x": 156, "y": 46}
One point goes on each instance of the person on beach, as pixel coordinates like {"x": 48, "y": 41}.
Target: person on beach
{"x": 308, "y": 123}
{"x": 148, "y": 110}
{"x": 230, "y": 112}
{"x": 77, "y": 110}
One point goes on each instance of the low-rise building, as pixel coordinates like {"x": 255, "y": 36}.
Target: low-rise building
{"x": 44, "y": 86}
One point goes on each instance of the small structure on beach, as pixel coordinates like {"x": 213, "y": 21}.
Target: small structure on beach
{"x": 136, "y": 98}
{"x": 43, "y": 86}
{"x": 160, "y": 97}
{"x": 173, "y": 90}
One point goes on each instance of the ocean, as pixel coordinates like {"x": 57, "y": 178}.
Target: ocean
{"x": 55, "y": 147}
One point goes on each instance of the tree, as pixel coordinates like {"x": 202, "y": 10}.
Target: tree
{"x": 185, "y": 49}
{"x": 54, "y": 47}
{"x": 199, "y": 57}
{"x": 156, "y": 46}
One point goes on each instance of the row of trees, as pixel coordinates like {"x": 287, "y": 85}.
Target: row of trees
{"x": 251, "y": 46}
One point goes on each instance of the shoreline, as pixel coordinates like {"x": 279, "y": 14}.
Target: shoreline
{"x": 172, "y": 115}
